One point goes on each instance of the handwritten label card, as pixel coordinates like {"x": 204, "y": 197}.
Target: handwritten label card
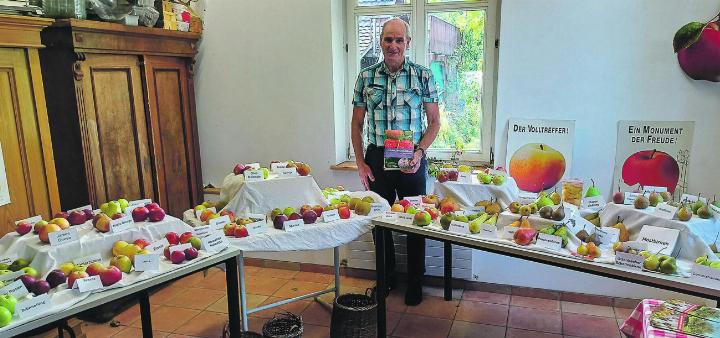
{"x": 527, "y": 198}
{"x": 10, "y": 276}
{"x": 8, "y": 259}
{"x": 488, "y": 231}
{"x": 33, "y": 306}
{"x": 293, "y": 225}
{"x": 147, "y": 262}
{"x": 692, "y": 198}
{"x": 286, "y": 172}
{"x": 414, "y": 200}
{"x": 465, "y": 177}
{"x": 63, "y": 237}
{"x": 375, "y": 208}
{"x": 277, "y": 165}
{"x": 139, "y": 203}
{"x": 570, "y": 209}
{"x": 219, "y": 222}
{"x": 549, "y": 242}
{"x": 630, "y": 198}
{"x": 508, "y": 232}
{"x": 158, "y": 246}
{"x": 203, "y": 231}
{"x": 180, "y": 247}
{"x": 254, "y": 175}
{"x": 256, "y": 217}
{"x": 607, "y": 235}
{"x": 715, "y": 211}
{"x": 666, "y": 211}
{"x": 660, "y": 240}
{"x": 648, "y": 189}
{"x": 330, "y": 215}
{"x": 215, "y": 242}
{"x": 459, "y": 228}
{"x": 405, "y": 219}
{"x": 87, "y": 259}
{"x": 257, "y": 228}
{"x": 593, "y": 202}
{"x": 16, "y": 288}
{"x": 705, "y": 275}
{"x": 31, "y": 220}
{"x": 388, "y": 216}
{"x": 80, "y": 208}
{"x": 88, "y": 284}
{"x": 121, "y": 224}
{"x": 634, "y": 262}
{"x": 635, "y": 245}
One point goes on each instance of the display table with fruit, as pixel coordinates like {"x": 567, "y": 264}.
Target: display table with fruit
{"x": 263, "y": 196}
{"x": 504, "y": 190}
{"x": 672, "y": 282}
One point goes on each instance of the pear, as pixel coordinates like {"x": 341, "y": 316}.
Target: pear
{"x": 559, "y": 214}
{"x": 493, "y": 208}
{"x": 555, "y": 197}
{"x": 492, "y": 220}
{"x": 542, "y": 194}
{"x": 684, "y": 214}
{"x": 645, "y": 253}
{"x": 548, "y": 230}
{"x": 713, "y": 246}
{"x": 525, "y": 223}
{"x": 582, "y": 250}
{"x": 525, "y": 210}
{"x": 592, "y": 191}
{"x": 651, "y": 263}
{"x": 562, "y": 233}
{"x": 533, "y": 208}
{"x": 582, "y": 235}
{"x": 668, "y": 266}
{"x": 624, "y": 233}
{"x": 666, "y": 196}
{"x": 704, "y": 212}
{"x": 695, "y": 206}
{"x": 716, "y": 202}
{"x": 641, "y": 202}
{"x": 655, "y": 199}
{"x": 546, "y": 212}
{"x": 514, "y": 207}
{"x": 544, "y": 201}
{"x": 590, "y": 238}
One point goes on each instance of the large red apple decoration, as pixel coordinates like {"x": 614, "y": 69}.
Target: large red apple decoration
{"x": 651, "y": 167}
{"x": 698, "y": 50}
{"x": 537, "y": 167}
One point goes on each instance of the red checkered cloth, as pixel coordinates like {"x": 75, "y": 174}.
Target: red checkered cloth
{"x": 638, "y": 325}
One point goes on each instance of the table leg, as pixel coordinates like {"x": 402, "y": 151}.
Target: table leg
{"x": 336, "y": 259}
{"x": 243, "y": 296}
{"x": 145, "y": 317}
{"x": 380, "y": 289}
{"x": 448, "y": 270}
{"x": 231, "y": 279}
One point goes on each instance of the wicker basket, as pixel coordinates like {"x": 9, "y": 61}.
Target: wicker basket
{"x": 243, "y": 334}
{"x": 283, "y": 325}
{"x": 354, "y": 315}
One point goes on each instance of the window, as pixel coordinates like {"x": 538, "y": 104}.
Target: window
{"x": 456, "y": 40}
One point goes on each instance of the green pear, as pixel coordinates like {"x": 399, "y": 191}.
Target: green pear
{"x": 655, "y": 199}
{"x": 475, "y": 226}
{"x": 697, "y": 204}
{"x": 715, "y": 265}
{"x": 704, "y": 212}
{"x": 651, "y": 263}
{"x": 666, "y": 196}
{"x": 544, "y": 202}
{"x": 645, "y": 253}
{"x": 684, "y": 214}
{"x": 701, "y": 260}
{"x": 592, "y": 191}
{"x": 668, "y": 266}
{"x": 641, "y": 202}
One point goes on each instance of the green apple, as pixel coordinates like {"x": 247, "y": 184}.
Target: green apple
{"x": 288, "y": 211}
{"x": 266, "y": 172}
{"x": 461, "y": 218}
{"x": 111, "y": 208}
{"x": 30, "y": 271}
{"x": 19, "y": 264}
{"x": 701, "y": 260}
{"x": 486, "y": 179}
{"x": 122, "y": 262}
{"x": 412, "y": 210}
{"x": 715, "y": 265}
{"x": 345, "y": 198}
{"x": 5, "y": 317}
{"x": 498, "y": 179}
{"x": 195, "y": 242}
{"x": 4, "y": 267}
{"x": 2, "y": 272}
{"x": 475, "y": 226}
{"x": 123, "y": 204}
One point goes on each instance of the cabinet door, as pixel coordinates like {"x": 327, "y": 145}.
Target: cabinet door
{"x": 174, "y": 132}
{"x": 117, "y": 159}
{"x": 25, "y": 140}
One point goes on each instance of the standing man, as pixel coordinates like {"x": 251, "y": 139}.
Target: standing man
{"x": 396, "y": 94}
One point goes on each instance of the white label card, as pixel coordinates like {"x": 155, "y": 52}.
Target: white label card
{"x": 202, "y": 231}
{"x": 88, "y": 284}
{"x": 465, "y": 177}
{"x": 63, "y": 237}
{"x": 11, "y": 276}
{"x": 147, "y": 262}
{"x": 570, "y": 208}
{"x": 275, "y": 166}
{"x": 8, "y": 260}
{"x": 387, "y": 216}
{"x": 293, "y": 225}
{"x": 33, "y": 306}
{"x": 666, "y": 211}
{"x": 649, "y": 189}
{"x": 16, "y": 288}
{"x": 414, "y": 200}
{"x": 426, "y": 205}
{"x": 180, "y": 247}
{"x": 508, "y": 232}
{"x": 87, "y": 259}
{"x": 593, "y": 202}
{"x": 31, "y": 220}
{"x": 330, "y": 216}
{"x": 139, "y": 203}
{"x": 256, "y": 216}
{"x": 705, "y": 275}
{"x": 607, "y": 235}
{"x": 634, "y": 262}
{"x": 659, "y": 240}
{"x": 488, "y": 231}
{"x": 630, "y": 197}
{"x": 286, "y": 172}
{"x": 375, "y": 208}
{"x": 254, "y": 175}
{"x": 215, "y": 242}
{"x": 219, "y": 222}
{"x": 635, "y": 245}
{"x": 255, "y": 165}
{"x": 158, "y": 246}
{"x": 691, "y": 198}
{"x": 257, "y": 228}
{"x": 405, "y": 219}
{"x": 550, "y": 242}
{"x": 527, "y": 198}
{"x": 81, "y": 208}
{"x": 121, "y": 224}
{"x": 459, "y": 228}
{"x": 715, "y": 211}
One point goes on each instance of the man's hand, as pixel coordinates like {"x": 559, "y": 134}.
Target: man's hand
{"x": 365, "y": 173}
{"x": 416, "y": 161}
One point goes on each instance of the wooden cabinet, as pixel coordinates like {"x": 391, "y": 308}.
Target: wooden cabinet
{"x": 120, "y": 99}
{"x": 27, "y": 152}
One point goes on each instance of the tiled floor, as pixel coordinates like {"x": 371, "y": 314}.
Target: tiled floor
{"x": 196, "y": 306}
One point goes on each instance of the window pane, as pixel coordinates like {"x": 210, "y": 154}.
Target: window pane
{"x": 368, "y": 38}
{"x": 371, "y": 3}
{"x": 455, "y": 55}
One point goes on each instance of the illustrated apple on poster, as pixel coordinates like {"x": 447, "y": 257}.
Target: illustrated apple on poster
{"x": 651, "y": 168}
{"x": 697, "y": 46}
{"x": 537, "y": 167}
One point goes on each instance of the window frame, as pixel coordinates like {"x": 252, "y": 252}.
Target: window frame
{"x": 418, "y": 11}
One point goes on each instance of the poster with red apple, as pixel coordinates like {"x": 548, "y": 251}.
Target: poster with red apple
{"x": 653, "y": 153}
{"x": 539, "y": 152}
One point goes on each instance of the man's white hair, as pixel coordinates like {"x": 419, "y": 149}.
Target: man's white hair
{"x": 407, "y": 26}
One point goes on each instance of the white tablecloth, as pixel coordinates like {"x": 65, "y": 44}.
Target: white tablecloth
{"x": 467, "y": 194}
{"x": 262, "y": 196}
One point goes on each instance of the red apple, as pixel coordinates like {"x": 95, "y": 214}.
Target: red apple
{"x": 309, "y": 217}
{"x": 110, "y": 275}
{"x": 141, "y": 242}
{"x": 39, "y": 225}
{"x": 442, "y": 177}
{"x": 102, "y": 223}
{"x": 185, "y": 236}
{"x": 166, "y": 252}
{"x": 279, "y": 220}
{"x": 651, "y": 167}
{"x": 405, "y": 203}
{"x": 524, "y": 236}
{"x": 536, "y": 167}
{"x": 62, "y": 214}
{"x": 302, "y": 169}
{"x": 117, "y": 216}
{"x": 140, "y": 214}
{"x": 190, "y": 253}
{"x": 45, "y": 232}
{"x": 240, "y": 232}
{"x": 294, "y": 216}
{"x": 40, "y": 287}
{"x": 94, "y": 269}
{"x": 23, "y": 227}
{"x": 305, "y": 208}
{"x": 28, "y": 281}
{"x": 453, "y": 176}
{"x": 177, "y": 257}
{"x": 55, "y": 278}
{"x": 344, "y": 212}
{"x": 77, "y": 217}
{"x": 318, "y": 210}
{"x": 74, "y": 276}
{"x": 229, "y": 214}
{"x": 700, "y": 60}
{"x": 61, "y": 222}
{"x": 239, "y": 169}
{"x": 89, "y": 214}
{"x": 229, "y": 229}
{"x": 152, "y": 205}
{"x": 434, "y": 213}
{"x": 173, "y": 238}
{"x": 157, "y": 215}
